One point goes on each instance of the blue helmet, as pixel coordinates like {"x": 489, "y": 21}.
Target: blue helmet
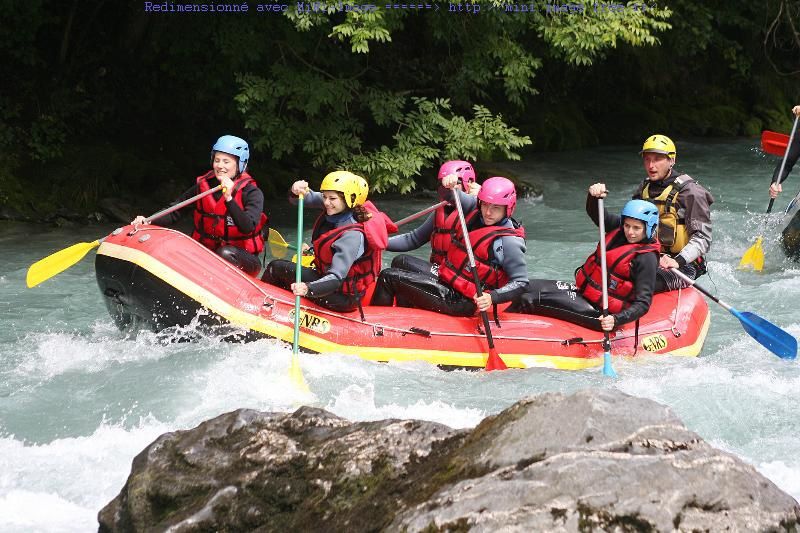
{"x": 644, "y": 211}
{"x": 234, "y": 146}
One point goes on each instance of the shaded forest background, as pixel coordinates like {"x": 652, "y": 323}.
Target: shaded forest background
{"x": 102, "y": 99}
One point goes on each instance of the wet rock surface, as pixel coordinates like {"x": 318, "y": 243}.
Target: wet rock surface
{"x": 597, "y": 460}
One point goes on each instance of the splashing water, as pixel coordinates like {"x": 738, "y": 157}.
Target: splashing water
{"x": 79, "y": 399}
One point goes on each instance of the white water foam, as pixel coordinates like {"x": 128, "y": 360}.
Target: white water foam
{"x": 61, "y": 486}
{"x": 785, "y": 476}
{"x": 357, "y": 402}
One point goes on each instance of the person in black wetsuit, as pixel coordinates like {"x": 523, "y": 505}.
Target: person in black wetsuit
{"x": 775, "y": 187}
{"x": 632, "y": 260}
{"x": 233, "y": 222}
{"x": 499, "y": 250}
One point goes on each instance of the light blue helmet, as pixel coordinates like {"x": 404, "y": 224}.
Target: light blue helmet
{"x": 234, "y": 146}
{"x": 644, "y": 211}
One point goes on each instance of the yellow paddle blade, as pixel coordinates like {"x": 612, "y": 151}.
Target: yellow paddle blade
{"x": 308, "y": 260}
{"x": 277, "y": 251}
{"x": 753, "y": 257}
{"x": 58, "y": 262}
{"x": 277, "y": 244}
{"x": 278, "y": 247}
{"x": 296, "y": 375}
{"x": 277, "y": 238}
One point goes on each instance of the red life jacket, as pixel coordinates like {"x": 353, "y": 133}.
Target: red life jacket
{"x": 442, "y": 234}
{"x": 455, "y": 270}
{"x": 213, "y": 226}
{"x": 589, "y": 277}
{"x": 360, "y": 279}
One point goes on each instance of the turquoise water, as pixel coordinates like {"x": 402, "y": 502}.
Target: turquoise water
{"x": 78, "y": 400}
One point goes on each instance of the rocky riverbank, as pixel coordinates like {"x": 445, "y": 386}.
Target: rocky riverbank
{"x": 594, "y": 460}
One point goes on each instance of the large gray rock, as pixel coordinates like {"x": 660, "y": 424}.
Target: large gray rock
{"x": 595, "y": 460}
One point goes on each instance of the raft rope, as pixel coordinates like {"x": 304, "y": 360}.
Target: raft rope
{"x": 376, "y": 326}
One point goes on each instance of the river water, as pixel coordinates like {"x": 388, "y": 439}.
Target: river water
{"x": 78, "y": 400}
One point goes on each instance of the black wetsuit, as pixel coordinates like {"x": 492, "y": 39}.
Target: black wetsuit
{"x": 324, "y": 289}
{"x": 791, "y": 158}
{"x": 560, "y": 299}
{"x": 420, "y": 289}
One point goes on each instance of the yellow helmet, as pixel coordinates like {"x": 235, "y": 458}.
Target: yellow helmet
{"x": 354, "y": 188}
{"x": 659, "y": 144}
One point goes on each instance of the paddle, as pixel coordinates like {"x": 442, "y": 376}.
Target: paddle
{"x": 58, "y": 262}
{"x": 295, "y": 372}
{"x": 774, "y": 143}
{"x": 493, "y": 361}
{"x": 278, "y": 245}
{"x": 754, "y": 256}
{"x": 418, "y": 214}
{"x": 608, "y": 370}
{"x": 764, "y": 332}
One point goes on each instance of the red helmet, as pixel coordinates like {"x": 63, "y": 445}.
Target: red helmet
{"x": 462, "y": 169}
{"x": 499, "y": 191}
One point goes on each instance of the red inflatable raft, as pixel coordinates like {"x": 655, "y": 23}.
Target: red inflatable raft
{"x": 160, "y": 278}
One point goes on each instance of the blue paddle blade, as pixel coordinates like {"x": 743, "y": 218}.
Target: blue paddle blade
{"x": 768, "y": 334}
{"x": 608, "y": 370}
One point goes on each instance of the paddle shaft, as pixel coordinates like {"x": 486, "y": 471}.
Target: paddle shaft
{"x": 603, "y": 267}
{"x": 770, "y": 336}
{"x": 297, "y": 276}
{"x": 58, "y": 262}
{"x": 419, "y": 214}
{"x": 786, "y": 153}
{"x": 691, "y": 282}
{"x": 475, "y": 277}
{"x": 182, "y": 204}
{"x": 278, "y": 239}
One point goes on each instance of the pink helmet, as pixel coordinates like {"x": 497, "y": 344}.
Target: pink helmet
{"x": 462, "y": 169}
{"x": 499, "y": 191}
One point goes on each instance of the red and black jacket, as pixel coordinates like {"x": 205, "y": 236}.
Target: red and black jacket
{"x": 455, "y": 270}
{"x": 364, "y": 272}
{"x": 214, "y": 227}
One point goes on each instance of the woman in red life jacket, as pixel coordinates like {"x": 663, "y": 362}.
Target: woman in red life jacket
{"x": 498, "y": 243}
{"x": 232, "y": 223}
{"x": 437, "y": 227}
{"x": 632, "y": 258}
{"x": 348, "y": 238}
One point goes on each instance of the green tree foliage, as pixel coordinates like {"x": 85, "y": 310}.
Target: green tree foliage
{"x": 106, "y": 94}
{"x": 393, "y": 92}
